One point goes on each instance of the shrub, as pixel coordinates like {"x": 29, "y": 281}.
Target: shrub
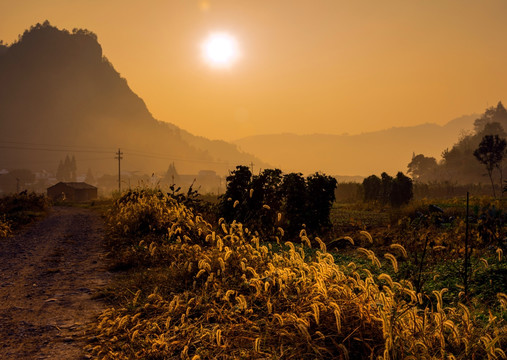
{"x": 5, "y": 227}
{"x": 262, "y": 201}
{"x": 22, "y": 208}
{"x": 320, "y": 198}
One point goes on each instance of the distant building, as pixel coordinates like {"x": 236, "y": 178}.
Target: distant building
{"x": 206, "y": 181}
{"x": 209, "y": 181}
{"x": 72, "y": 191}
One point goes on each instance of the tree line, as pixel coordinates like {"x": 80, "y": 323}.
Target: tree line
{"x": 388, "y": 190}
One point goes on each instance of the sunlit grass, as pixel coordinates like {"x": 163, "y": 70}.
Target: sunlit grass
{"x": 204, "y": 291}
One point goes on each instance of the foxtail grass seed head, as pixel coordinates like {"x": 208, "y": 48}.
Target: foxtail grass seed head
{"x": 499, "y": 253}
{"x": 367, "y": 235}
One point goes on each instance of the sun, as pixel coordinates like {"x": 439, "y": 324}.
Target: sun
{"x": 220, "y": 50}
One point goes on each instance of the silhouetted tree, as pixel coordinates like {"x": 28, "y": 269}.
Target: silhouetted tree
{"x": 490, "y": 152}
{"x": 294, "y": 192}
{"x": 421, "y": 168}
{"x": 401, "y": 190}
{"x": 493, "y": 128}
{"x": 238, "y": 184}
{"x": 256, "y": 201}
{"x": 386, "y": 188}
{"x": 372, "y": 186}
{"x": 266, "y": 191}
{"x": 66, "y": 170}
{"x": 60, "y": 174}
{"x": 396, "y": 192}
{"x": 320, "y": 198}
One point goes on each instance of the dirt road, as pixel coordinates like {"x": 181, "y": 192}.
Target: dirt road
{"x": 48, "y": 277}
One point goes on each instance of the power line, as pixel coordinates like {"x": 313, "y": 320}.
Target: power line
{"x": 82, "y": 149}
{"x": 53, "y": 150}
{"x": 38, "y": 162}
{"x": 57, "y": 145}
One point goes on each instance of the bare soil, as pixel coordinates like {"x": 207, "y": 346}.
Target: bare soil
{"x": 50, "y": 275}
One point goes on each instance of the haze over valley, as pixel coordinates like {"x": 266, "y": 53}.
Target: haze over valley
{"x": 373, "y": 152}
{"x": 61, "y": 95}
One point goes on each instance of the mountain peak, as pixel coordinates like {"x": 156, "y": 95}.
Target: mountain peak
{"x": 59, "y": 89}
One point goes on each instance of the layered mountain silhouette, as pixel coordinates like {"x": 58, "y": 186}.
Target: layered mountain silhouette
{"x": 59, "y": 95}
{"x": 364, "y": 154}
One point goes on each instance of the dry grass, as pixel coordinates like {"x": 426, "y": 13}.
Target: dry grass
{"x": 5, "y": 227}
{"x": 233, "y": 297}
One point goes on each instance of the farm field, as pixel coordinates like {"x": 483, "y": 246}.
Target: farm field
{"x": 380, "y": 284}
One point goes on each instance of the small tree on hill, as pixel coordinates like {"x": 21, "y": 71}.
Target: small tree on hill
{"x": 490, "y": 152}
{"x": 496, "y": 114}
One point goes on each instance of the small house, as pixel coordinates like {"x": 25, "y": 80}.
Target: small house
{"x": 72, "y": 191}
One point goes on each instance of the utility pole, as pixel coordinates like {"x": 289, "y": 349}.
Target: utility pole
{"x": 119, "y": 157}
{"x": 467, "y": 260}
{"x": 251, "y": 166}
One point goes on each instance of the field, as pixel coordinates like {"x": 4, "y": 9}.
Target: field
{"x": 382, "y": 283}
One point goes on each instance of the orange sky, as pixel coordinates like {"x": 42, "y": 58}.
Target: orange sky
{"x": 326, "y": 66}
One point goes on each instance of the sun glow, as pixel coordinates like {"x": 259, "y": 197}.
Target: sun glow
{"x": 220, "y": 50}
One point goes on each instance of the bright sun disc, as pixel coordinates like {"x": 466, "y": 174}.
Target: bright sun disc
{"x": 220, "y": 50}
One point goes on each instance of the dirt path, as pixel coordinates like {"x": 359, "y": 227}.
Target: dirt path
{"x": 48, "y": 276}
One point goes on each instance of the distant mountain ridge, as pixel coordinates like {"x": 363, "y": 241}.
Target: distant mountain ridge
{"x": 57, "y": 89}
{"x": 364, "y": 154}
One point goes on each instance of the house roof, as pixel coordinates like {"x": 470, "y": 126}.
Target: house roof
{"x": 75, "y": 185}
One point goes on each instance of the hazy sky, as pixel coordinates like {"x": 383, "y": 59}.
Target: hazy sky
{"x": 326, "y": 66}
